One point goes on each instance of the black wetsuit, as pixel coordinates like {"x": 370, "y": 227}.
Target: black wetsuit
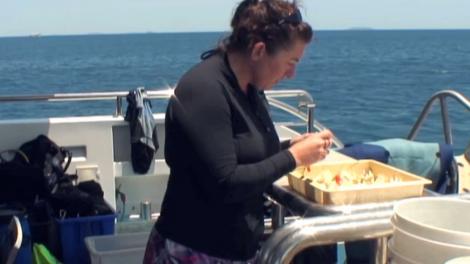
{"x": 223, "y": 153}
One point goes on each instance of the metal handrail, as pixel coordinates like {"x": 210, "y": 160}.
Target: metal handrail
{"x": 305, "y": 100}
{"x": 289, "y": 240}
{"x": 304, "y": 97}
{"x": 350, "y": 225}
{"x": 440, "y": 96}
{"x": 63, "y": 97}
{"x": 152, "y": 94}
{"x": 312, "y": 124}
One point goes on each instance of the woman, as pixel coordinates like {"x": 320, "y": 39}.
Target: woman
{"x": 221, "y": 146}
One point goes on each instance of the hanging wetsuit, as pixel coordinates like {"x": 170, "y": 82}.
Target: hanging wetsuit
{"x": 143, "y": 130}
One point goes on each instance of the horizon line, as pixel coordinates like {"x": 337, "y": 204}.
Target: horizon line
{"x": 217, "y": 31}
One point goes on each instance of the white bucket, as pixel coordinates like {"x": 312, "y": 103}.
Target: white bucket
{"x": 459, "y": 260}
{"x": 396, "y": 258}
{"x": 435, "y": 218}
{"x": 426, "y": 251}
{"x": 431, "y": 230}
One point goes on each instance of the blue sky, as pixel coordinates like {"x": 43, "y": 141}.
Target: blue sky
{"x": 52, "y": 17}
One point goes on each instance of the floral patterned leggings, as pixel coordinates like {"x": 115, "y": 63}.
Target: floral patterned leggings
{"x": 165, "y": 251}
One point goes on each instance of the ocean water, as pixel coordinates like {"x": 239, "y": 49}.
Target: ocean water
{"x": 368, "y": 85}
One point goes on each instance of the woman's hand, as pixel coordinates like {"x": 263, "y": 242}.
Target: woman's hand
{"x": 311, "y": 147}
{"x": 298, "y": 138}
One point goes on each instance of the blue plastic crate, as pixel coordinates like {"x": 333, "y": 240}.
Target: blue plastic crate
{"x": 74, "y": 230}
{"x": 24, "y": 254}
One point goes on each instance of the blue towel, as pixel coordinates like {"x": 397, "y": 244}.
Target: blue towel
{"x": 365, "y": 151}
{"x": 430, "y": 160}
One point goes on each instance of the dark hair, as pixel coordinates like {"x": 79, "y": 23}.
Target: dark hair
{"x": 277, "y": 23}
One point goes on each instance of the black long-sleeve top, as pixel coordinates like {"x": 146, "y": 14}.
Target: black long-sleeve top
{"x": 223, "y": 153}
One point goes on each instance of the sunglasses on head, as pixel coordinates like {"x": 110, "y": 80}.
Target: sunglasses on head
{"x": 294, "y": 18}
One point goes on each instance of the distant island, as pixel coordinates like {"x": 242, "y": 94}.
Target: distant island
{"x": 360, "y": 28}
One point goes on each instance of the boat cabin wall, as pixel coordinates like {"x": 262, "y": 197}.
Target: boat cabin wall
{"x": 97, "y": 141}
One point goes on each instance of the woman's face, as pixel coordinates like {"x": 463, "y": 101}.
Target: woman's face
{"x": 268, "y": 69}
